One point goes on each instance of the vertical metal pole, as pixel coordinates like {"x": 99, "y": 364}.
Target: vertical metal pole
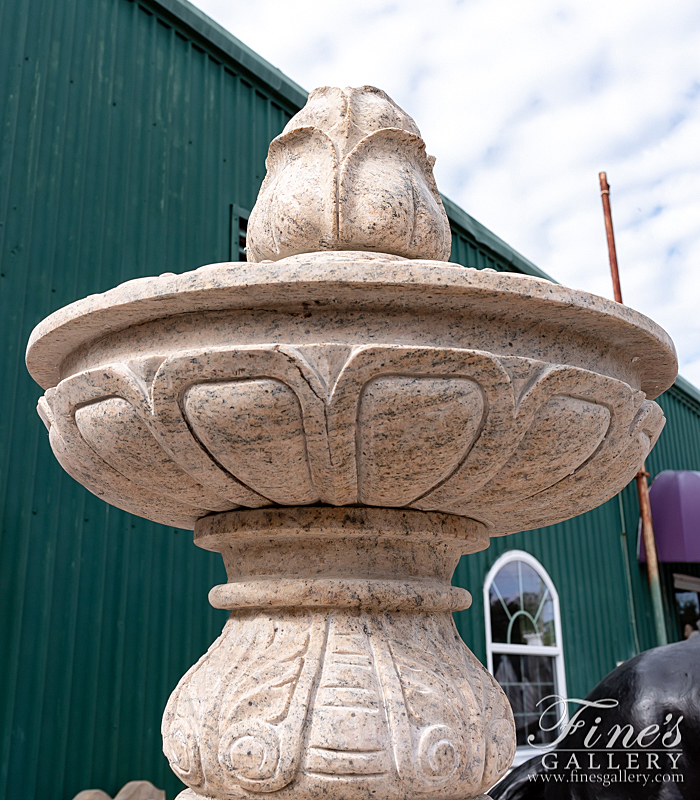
{"x": 641, "y": 478}
{"x": 612, "y": 250}
{"x": 628, "y": 575}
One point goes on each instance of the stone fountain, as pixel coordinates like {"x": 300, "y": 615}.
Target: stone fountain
{"x": 342, "y": 418}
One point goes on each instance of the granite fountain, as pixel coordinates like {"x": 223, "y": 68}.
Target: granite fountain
{"x": 343, "y": 417}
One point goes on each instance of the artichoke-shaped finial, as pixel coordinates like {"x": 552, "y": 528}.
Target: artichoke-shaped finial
{"x": 349, "y": 172}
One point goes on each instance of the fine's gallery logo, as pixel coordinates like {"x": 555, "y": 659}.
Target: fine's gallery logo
{"x": 589, "y": 748}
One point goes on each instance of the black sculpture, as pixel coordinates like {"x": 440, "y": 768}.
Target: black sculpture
{"x": 652, "y": 723}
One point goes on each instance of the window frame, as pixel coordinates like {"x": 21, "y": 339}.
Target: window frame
{"x": 524, "y": 752}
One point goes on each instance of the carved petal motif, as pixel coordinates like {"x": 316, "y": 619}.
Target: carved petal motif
{"x": 412, "y": 433}
{"x": 603, "y": 437}
{"x": 134, "y": 790}
{"x": 438, "y": 429}
{"x": 527, "y": 472}
{"x": 146, "y": 471}
{"x": 437, "y": 716}
{"x": 349, "y": 172}
{"x": 120, "y": 436}
{"x": 235, "y": 721}
{"x": 255, "y": 430}
{"x": 623, "y": 451}
{"x": 296, "y": 209}
{"x": 348, "y": 115}
{"x": 388, "y": 200}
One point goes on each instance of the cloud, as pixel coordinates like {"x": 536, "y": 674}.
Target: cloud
{"x": 523, "y": 104}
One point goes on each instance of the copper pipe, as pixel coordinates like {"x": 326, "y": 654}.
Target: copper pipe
{"x": 651, "y": 555}
{"x": 641, "y": 477}
{"x": 612, "y": 251}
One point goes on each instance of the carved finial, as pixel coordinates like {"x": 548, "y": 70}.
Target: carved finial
{"x": 349, "y": 172}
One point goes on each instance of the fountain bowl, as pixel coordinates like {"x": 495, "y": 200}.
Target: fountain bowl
{"x": 351, "y": 379}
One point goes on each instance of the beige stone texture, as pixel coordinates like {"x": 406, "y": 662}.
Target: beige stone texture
{"x": 134, "y": 790}
{"x": 188, "y": 794}
{"x": 340, "y": 672}
{"x": 342, "y": 425}
{"x": 351, "y": 378}
{"x": 349, "y": 172}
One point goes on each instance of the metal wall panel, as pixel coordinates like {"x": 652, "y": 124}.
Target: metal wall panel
{"x": 585, "y": 558}
{"x": 132, "y": 134}
{"x": 678, "y": 448}
{"x": 125, "y": 141}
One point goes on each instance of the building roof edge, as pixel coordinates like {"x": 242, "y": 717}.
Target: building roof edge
{"x": 205, "y": 27}
{"x": 490, "y": 241}
{"x": 685, "y": 386}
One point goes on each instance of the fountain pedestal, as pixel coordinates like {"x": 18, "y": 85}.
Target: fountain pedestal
{"x": 340, "y": 671}
{"x": 342, "y": 426}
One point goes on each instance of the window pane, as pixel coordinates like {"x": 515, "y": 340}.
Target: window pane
{"x": 522, "y": 609}
{"x": 526, "y": 680}
{"x": 688, "y": 607}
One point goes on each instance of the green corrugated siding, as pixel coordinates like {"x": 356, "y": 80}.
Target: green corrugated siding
{"x": 124, "y": 144}
{"x": 678, "y": 448}
{"x": 476, "y": 246}
{"x": 467, "y": 252}
{"x": 584, "y": 558}
{"x": 679, "y": 444}
{"x": 129, "y": 133}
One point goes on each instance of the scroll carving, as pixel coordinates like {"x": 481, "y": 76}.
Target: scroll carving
{"x": 237, "y": 717}
{"x": 398, "y": 718}
{"x": 342, "y": 427}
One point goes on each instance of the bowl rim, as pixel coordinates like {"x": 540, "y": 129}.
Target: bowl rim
{"x": 349, "y": 279}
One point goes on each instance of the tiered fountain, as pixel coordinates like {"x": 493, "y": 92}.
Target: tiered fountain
{"x": 342, "y": 418}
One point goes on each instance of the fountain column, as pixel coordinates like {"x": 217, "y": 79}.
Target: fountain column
{"x": 340, "y": 671}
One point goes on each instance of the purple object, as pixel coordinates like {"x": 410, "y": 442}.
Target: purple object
{"x": 675, "y": 508}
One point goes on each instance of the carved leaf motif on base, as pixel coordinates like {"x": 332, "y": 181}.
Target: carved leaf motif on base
{"x": 291, "y": 701}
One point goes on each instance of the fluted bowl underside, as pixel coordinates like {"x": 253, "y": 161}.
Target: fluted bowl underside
{"x": 351, "y": 379}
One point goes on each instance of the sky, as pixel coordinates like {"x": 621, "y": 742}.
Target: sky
{"x": 523, "y": 104}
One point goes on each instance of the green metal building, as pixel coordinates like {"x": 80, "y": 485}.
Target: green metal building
{"x": 133, "y": 143}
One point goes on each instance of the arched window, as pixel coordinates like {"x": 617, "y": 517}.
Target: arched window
{"x": 523, "y": 643}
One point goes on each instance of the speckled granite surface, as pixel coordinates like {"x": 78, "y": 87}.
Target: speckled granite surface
{"x": 341, "y": 673}
{"x": 349, "y": 172}
{"x": 392, "y": 384}
{"x": 342, "y": 427}
{"x": 134, "y": 790}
